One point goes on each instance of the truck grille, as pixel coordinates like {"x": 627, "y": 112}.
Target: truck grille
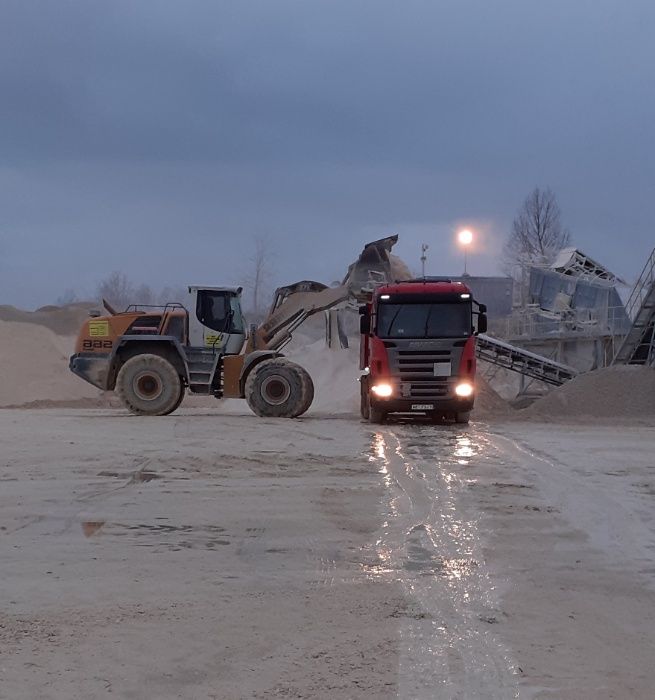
{"x": 415, "y": 369}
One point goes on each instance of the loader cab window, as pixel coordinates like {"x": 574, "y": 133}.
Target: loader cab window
{"x": 213, "y": 310}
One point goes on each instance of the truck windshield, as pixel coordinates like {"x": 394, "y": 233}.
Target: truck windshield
{"x": 424, "y": 320}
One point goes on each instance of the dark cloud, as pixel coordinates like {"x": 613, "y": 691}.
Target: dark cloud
{"x": 158, "y": 137}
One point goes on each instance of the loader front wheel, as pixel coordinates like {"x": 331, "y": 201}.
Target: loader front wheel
{"x": 308, "y": 388}
{"x": 277, "y": 388}
{"x": 149, "y": 385}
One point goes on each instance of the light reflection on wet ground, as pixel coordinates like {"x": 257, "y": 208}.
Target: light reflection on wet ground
{"x": 431, "y": 543}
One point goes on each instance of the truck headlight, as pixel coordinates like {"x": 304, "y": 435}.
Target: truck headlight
{"x": 382, "y": 390}
{"x": 464, "y": 390}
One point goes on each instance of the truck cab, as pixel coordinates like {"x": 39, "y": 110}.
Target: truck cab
{"x": 417, "y": 351}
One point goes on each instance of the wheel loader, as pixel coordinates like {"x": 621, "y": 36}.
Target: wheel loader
{"x": 150, "y": 356}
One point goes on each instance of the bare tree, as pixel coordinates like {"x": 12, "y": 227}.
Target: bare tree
{"x": 172, "y": 295}
{"x": 117, "y": 290}
{"x": 258, "y": 278}
{"x": 144, "y": 295}
{"x": 537, "y": 232}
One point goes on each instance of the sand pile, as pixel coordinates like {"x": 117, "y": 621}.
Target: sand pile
{"x": 63, "y": 320}
{"x": 334, "y": 373}
{"x": 614, "y": 392}
{"x": 34, "y": 367}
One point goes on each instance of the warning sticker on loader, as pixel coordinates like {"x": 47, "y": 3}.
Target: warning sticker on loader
{"x": 213, "y": 339}
{"x": 99, "y": 329}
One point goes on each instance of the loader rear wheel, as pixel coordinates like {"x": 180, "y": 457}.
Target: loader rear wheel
{"x": 149, "y": 385}
{"x": 277, "y": 388}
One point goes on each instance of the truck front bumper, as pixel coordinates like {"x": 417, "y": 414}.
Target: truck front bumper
{"x": 441, "y": 405}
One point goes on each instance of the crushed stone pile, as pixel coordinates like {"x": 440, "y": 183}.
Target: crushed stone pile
{"x": 613, "y": 392}
{"x": 489, "y": 404}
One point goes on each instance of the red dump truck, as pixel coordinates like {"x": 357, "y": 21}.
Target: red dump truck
{"x": 417, "y": 352}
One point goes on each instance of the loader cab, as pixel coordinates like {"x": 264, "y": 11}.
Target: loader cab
{"x": 215, "y": 319}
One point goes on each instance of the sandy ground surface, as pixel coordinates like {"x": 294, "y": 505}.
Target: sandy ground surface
{"x": 224, "y": 556}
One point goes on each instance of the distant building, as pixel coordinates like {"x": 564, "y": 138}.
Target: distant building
{"x": 496, "y": 292}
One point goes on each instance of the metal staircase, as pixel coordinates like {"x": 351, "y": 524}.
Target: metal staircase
{"x": 516, "y": 359}
{"x": 638, "y": 347}
{"x": 202, "y": 367}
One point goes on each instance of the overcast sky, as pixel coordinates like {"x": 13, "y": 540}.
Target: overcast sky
{"x": 159, "y": 138}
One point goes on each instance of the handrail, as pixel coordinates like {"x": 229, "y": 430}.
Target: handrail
{"x": 646, "y": 279}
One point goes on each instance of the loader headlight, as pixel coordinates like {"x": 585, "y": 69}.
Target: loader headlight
{"x": 382, "y": 390}
{"x": 464, "y": 390}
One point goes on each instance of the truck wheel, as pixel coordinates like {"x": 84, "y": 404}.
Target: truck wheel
{"x": 463, "y": 417}
{"x": 276, "y": 389}
{"x": 375, "y": 413}
{"x": 149, "y": 385}
{"x": 363, "y": 399}
{"x": 308, "y": 386}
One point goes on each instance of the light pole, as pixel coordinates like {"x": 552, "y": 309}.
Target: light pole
{"x": 465, "y": 238}
{"x": 424, "y": 257}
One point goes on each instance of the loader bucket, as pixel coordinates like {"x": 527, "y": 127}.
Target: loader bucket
{"x": 372, "y": 268}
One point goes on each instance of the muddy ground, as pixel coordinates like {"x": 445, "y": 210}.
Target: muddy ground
{"x": 223, "y": 556}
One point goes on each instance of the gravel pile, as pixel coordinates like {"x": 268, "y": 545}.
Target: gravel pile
{"x": 613, "y": 392}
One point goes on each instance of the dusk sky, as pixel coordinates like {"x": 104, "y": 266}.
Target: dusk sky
{"x": 160, "y": 138}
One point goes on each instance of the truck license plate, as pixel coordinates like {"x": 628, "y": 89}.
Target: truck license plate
{"x": 422, "y": 406}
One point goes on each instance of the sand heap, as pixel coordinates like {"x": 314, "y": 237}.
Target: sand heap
{"x": 614, "y": 392}
{"x": 34, "y": 362}
{"x": 334, "y": 373}
{"x": 63, "y": 320}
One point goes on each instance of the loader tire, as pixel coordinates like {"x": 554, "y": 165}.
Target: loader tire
{"x": 308, "y": 385}
{"x": 308, "y": 389}
{"x": 149, "y": 385}
{"x": 276, "y": 388}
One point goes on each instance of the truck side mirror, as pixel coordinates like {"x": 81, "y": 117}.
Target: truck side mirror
{"x": 365, "y": 324}
{"x": 482, "y": 323}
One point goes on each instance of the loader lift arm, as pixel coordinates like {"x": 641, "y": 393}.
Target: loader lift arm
{"x": 295, "y": 303}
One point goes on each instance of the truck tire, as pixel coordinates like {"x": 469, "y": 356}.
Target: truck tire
{"x": 463, "y": 417}
{"x": 149, "y": 385}
{"x": 363, "y": 398}
{"x": 276, "y": 388}
{"x": 375, "y": 413}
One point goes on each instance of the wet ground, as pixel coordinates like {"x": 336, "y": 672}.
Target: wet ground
{"x": 208, "y": 556}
